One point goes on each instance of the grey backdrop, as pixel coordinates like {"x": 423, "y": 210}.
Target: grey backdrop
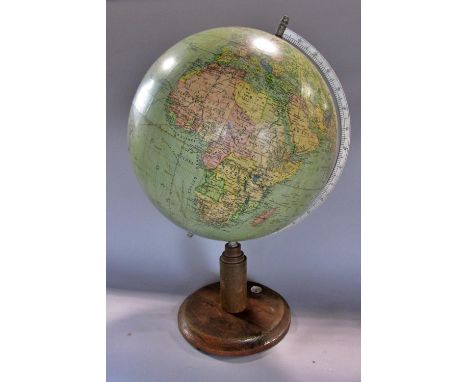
{"x": 315, "y": 265}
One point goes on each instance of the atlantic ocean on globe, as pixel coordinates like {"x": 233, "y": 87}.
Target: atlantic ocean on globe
{"x": 233, "y": 133}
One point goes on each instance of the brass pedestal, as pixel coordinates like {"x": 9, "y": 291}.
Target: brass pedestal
{"x": 234, "y": 317}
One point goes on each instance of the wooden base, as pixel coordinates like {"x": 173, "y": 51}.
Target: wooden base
{"x": 209, "y": 328}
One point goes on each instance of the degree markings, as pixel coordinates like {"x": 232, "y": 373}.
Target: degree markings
{"x": 344, "y": 121}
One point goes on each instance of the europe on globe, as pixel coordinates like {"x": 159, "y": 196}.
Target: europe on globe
{"x": 233, "y": 132}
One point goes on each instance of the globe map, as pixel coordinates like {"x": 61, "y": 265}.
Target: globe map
{"x": 233, "y": 133}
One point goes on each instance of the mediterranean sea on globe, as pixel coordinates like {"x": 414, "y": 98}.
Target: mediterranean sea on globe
{"x": 233, "y": 133}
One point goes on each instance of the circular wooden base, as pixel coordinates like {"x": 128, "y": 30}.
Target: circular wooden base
{"x": 207, "y": 327}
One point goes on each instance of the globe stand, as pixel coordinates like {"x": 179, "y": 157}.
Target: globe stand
{"x": 234, "y": 317}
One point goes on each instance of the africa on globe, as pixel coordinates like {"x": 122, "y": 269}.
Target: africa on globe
{"x": 233, "y": 133}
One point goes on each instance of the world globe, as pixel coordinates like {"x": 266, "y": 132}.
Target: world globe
{"x": 234, "y": 134}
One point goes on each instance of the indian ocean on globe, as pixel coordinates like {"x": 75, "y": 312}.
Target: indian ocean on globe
{"x": 233, "y": 133}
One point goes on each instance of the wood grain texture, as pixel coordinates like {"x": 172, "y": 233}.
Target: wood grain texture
{"x": 207, "y": 327}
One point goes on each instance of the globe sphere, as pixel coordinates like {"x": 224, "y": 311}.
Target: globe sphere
{"x": 233, "y": 133}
